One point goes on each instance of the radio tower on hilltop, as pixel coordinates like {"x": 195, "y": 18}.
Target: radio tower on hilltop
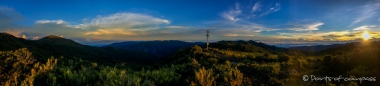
{"x": 207, "y": 39}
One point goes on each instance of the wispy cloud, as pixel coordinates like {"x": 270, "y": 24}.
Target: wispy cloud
{"x": 256, "y": 7}
{"x": 237, "y": 13}
{"x": 367, "y": 11}
{"x": 275, "y": 8}
{"x": 365, "y": 27}
{"x": 244, "y": 28}
{"x": 232, "y": 13}
{"x": 306, "y": 27}
{"x": 50, "y": 21}
{"x": 240, "y": 30}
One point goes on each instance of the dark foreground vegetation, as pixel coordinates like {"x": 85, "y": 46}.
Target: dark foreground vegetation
{"x": 225, "y": 63}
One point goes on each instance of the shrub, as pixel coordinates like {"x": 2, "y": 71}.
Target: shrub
{"x": 196, "y": 49}
{"x": 283, "y": 58}
{"x": 205, "y": 77}
{"x": 233, "y": 77}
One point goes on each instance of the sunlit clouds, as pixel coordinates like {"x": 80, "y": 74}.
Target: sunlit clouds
{"x": 307, "y": 27}
{"x": 323, "y": 36}
{"x": 110, "y": 32}
{"x": 368, "y": 27}
{"x": 122, "y": 24}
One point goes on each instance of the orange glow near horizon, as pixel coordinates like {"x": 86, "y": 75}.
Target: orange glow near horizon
{"x": 366, "y": 35}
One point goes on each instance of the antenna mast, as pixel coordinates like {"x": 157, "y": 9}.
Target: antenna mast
{"x": 207, "y": 39}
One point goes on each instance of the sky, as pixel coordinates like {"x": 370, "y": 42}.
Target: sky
{"x": 275, "y": 21}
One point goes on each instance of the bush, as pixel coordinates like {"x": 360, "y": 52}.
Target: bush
{"x": 196, "y": 49}
{"x": 205, "y": 77}
{"x": 233, "y": 77}
{"x": 283, "y": 58}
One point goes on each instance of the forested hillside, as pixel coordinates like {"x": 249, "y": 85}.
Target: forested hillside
{"x": 161, "y": 49}
{"x": 57, "y": 46}
{"x": 54, "y": 60}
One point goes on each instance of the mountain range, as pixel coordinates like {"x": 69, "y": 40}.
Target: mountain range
{"x": 57, "y": 46}
{"x": 316, "y": 48}
{"x": 160, "y": 49}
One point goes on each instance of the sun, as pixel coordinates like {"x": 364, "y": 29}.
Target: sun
{"x": 366, "y": 35}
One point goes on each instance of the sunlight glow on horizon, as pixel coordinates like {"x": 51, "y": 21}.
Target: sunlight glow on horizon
{"x": 366, "y": 35}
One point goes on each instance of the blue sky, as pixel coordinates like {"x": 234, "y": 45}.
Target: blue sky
{"x": 92, "y": 21}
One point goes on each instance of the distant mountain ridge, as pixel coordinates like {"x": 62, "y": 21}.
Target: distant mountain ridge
{"x": 162, "y": 48}
{"x": 316, "y": 48}
{"x": 58, "y": 46}
{"x": 248, "y": 46}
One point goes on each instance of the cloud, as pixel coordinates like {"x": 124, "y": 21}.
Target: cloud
{"x": 122, "y": 24}
{"x": 23, "y": 36}
{"x": 118, "y": 26}
{"x": 321, "y": 35}
{"x": 35, "y": 38}
{"x": 367, "y": 11}
{"x": 43, "y": 28}
{"x": 342, "y": 36}
{"x": 110, "y": 32}
{"x": 275, "y": 8}
{"x": 306, "y": 27}
{"x": 134, "y": 20}
{"x": 236, "y": 13}
{"x": 232, "y": 13}
{"x": 256, "y": 7}
{"x": 367, "y": 27}
{"x": 362, "y": 28}
{"x": 243, "y": 29}
{"x": 50, "y": 21}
